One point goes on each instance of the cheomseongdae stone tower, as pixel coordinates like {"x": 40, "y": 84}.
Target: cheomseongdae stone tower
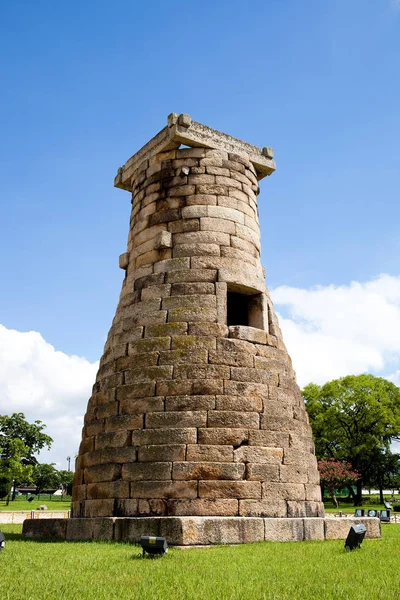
{"x": 195, "y": 410}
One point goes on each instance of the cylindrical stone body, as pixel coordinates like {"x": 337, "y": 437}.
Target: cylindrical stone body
{"x": 195, "y": 409}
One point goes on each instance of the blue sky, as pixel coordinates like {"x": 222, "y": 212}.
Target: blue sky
{"x": 86, "y": 84}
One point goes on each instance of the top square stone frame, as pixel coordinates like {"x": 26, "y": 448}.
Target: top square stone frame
{"x": 181, "y": 129}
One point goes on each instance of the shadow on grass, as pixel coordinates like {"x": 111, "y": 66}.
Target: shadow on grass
{"x": 146, "y": 556}
{"x": 16, "y": 537}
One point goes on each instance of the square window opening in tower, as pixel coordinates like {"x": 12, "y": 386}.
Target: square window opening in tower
{"x": 244, "y": 309}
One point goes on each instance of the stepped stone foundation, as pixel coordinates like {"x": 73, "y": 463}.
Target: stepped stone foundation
{"x": 198, "y": 531}
{"x": 196, "y": 427}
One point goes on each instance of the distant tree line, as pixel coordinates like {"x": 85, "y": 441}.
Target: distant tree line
{"x": 19, "y": 442}
{"x": 355, "y": 420}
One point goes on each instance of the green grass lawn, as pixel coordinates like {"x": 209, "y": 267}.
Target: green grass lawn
{"x": 20, "y": 504}
{"x": 103, "y": 570}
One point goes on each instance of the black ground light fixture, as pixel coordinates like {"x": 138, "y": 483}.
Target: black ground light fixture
{"x": 2, "y": 540}
{"x": 384, "y": 515}
{"x": 153, "y": 545}
{"x": 355, "y": 537}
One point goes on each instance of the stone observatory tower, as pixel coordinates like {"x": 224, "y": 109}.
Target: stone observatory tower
{"x": 195, "y": 411}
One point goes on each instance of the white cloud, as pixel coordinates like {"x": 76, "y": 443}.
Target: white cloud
{"x": 395, "y": 4}
{"x": 48, "y": 385}
{"x": 339, "y": 330}
{"x": 395, "y": 377}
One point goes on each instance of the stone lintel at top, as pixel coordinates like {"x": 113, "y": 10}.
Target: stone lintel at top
{"x": 181, "y": 129}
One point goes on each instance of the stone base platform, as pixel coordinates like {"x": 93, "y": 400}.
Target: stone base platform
{"x": 197, "y": 531}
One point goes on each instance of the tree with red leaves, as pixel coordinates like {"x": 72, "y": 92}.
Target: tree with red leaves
{"x": 336, "y": 474}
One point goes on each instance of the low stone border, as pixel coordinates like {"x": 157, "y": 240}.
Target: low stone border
{"x": 191, "y": 531}
{"x": 337, "y": 528}
{"x": 20, "y": 516}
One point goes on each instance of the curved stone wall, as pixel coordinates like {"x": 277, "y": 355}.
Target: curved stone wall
{"x": 195, "y": 409}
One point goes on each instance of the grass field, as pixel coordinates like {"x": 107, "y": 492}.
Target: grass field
{"x": 297, "y": 571}
{"x": 21, "y": 503}
{"x": 25, "y": 505}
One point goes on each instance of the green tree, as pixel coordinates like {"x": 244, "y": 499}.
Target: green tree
{"x": 12, "y": 469}
{"x": 395, "y": 482}
{"x": 65, "y": 479}
{"x": 384, "y": 472}
{"x": 45, "y": 477}
{"x": 354, "y": 419}
{"x": 15, "y": 427}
